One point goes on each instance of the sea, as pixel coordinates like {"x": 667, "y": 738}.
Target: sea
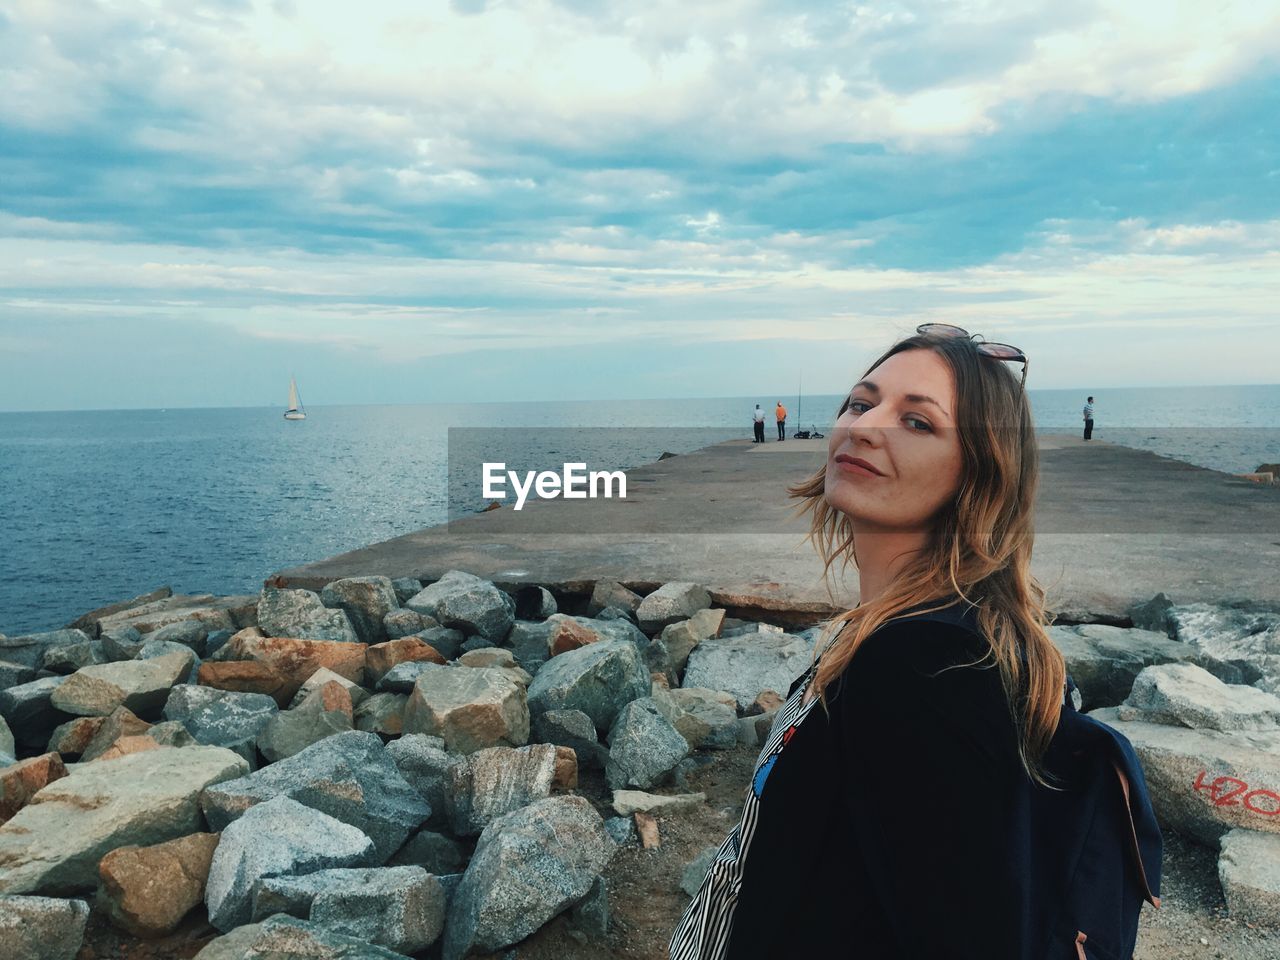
{"x": 98, "y": 506}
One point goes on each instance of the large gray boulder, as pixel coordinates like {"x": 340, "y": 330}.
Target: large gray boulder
{"x": 53, "y": 844}
{"x": 745, "y": 666}
{"x": 469, "y": 707}
{"x": 529, "y": 866}
{"x": 140, "y": 685}
{"x": 1182, "y": 693}
{"x": 708, "y": 719}
{"x": 29, "y": 711}
{"x": 222, "y": 718}
{"x": 325, "y": 713}
{"x": 529, "y": 643}
{"x": 573, "y": 729}
{"x": 366, "y": 600}
{"x": 41, "y": 928}
{"x": 1249, "y": 872}
{"x": 495, "y": 781}
{"x": 1206, "y": 782}
{"x": 465, "y": 602}
{"x": 288, "y": 938}
{"x": 348, "y": 776}
{"x": 30, "y": 650}
{"x": 189, "y": 633}
{"x": 643, "y": 746}
{"x": 598, "y": 679}
{"x": 70, "y": 657}
{"x": 275, "y": 838}
{"x": 15, "y": 674}
{"x": 1228, "y": 633}
{"x": 671, "y": 603}
{"x": 300, "y": 614}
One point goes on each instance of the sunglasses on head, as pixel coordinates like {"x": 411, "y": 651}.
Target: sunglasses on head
{"x": 998, "y": 351}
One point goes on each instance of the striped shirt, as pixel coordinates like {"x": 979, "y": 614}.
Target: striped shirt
{"x": 703, "y": 931}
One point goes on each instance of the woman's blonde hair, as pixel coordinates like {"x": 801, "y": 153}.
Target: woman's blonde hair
{"x": 979, "y": 546}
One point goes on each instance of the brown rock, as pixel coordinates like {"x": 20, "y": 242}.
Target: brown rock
{"x": 295, "y": 660}
{"x": 331, "y": 696}
{"x": 127, "y": 745}
{"x": 246, "y": 676}
{"x": 766, "y": 702}
{"x": 566, "y": 775}
{"x": 647, "y": 827}
{"x": 71, "y": 738}
{"x": 569, "y": 635}
{"x": 120, "y": 723}
{"x": 19, "y": 782}
{"x": 381, "y": 657}
{"x": 148, "y": 890}
{"x": 660, "y": 680}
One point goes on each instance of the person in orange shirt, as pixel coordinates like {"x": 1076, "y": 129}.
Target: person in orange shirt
{"x": 781, "y": 413}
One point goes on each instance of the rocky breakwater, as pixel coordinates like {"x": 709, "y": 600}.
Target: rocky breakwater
{"x": 382, "y": 769}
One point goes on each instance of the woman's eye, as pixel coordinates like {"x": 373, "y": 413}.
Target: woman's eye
{"x": 853, "y": 403}
{"x": 924, "y": 424}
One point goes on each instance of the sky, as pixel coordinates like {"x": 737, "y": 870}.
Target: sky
{"x": 415, "y": 202}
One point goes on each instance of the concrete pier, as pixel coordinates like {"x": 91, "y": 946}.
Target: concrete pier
{"x": 1114, "y": 526}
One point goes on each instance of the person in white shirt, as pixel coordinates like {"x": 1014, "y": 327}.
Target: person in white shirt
{"x": 1088, "y": 419}
{"x": 758, "y": 417}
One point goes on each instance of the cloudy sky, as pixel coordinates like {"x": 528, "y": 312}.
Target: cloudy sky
{"x": 421, "y": 201}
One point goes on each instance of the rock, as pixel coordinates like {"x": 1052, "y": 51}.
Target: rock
{"x": 30, "y": 650}
{"x": 402, "y": 622}
{"x": 69, "y": 657}
{"x": 1249, "y": 871}
{"x": 405, "y": 587}
{"x": 222, "y": 718}
{"x": 320, "y": 678}
{"x": 746, "y": 665}
{"x": 681, "y": 637}
{"x": 566, "y": 770}
{"x": 288, "y": 938}
{"x": 534, "y": 603}
{"x": 567, "y": 634}
{"x": 643, "y": 746}
{"x": 171, "y": 733}
{"x": 14, "y": 674}
{"x": 29, "y": 712}
{"x": 622, "y": 830}
{"x": 70, "y": 739}
{"x": 498, "y": 780}
{"x": 245, "y": 676}
{"x": 383, "y": 713}
{"x": 1182, "y": 693}
{"x": 152, "y": 649}
{"x": 573, "y": 729}
{"x": 7, "y": 746}
{"x": 1244, "y": 638}
{"x": 189, "y": 633}
{"x": 610, "y": 593}
{"x": 530, "y": 643}
{"x": 301, "y": 614}
{"x": 89, "y": 621}
{"x": 219, "y": 613}
{"x": 327, "y": 711}
{"x": 696, "y": 871}
{"x": 470, "y": 708}
{"x": 488, "y": 657}
{"x": 296, "y": 660}
{"x": 216, "y": 640}
{"x": 148, "y": 890}
{"x": 140, "y": 685}
{"x": 707, "y": 719}
{"x": 54, "y": 843}
{"x": 1153, "y": 615}
{"x": 431, "y": 770}
{"x": 401, "y": 908}
{"x": 1205, "y": 782}
{"x": 434, "y": 852}
{"x": 671, "y": 603}
{"x": 122, "y": 722}
{"x": 41, "y": 928}
{"x": 467, "y": 603}
{"x": 528, "y": 867}
{"x": 628, "y": 802}
{"x": 126, "y": 746}
{"x": 447, "y": 641}
{"x": 19, "y": 782}
{"x": 366, "y": 601}
{"x": 348, "y": 776}
{"x": 647, "y": 829}
{"x": 382, "y": 657}
{"x": 589, "y": 917}
{"x": 121, "y": 643}
{"x": 598, "y": 679}
{"x": 274, "y": 838}
{"x": 1105, "y": 660}
{"x": 402, "y": 677}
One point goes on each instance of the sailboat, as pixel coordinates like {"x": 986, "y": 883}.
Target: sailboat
{"x": 295, "y": 411}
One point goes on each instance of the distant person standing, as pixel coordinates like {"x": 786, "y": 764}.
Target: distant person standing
{"x": 781, "y": 414}
{"x": 758, "y": 419}
{"x": 1088, "y": 419}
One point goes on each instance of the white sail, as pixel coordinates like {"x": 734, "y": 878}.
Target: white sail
{"x": 293, "y": 394}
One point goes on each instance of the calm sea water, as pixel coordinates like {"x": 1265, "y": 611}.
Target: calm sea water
{"x": 103, "y": 505}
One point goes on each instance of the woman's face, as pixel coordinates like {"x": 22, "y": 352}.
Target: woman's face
{"x": 911, "y": 442}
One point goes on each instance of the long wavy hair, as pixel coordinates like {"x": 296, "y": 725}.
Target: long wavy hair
{"x": 979, "y": 547}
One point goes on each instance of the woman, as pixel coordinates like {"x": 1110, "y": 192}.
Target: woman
{"x": 890, "y": 822}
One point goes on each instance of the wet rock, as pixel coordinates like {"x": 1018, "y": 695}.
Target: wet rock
{"x": 279, "y": 837}
{"x": 148, "y": 890}
{"x": 41, "y": 928}
{"x": 1182, "y": 693}
{"x": 140, "y": 685}
{"x": 528, "y": 867}
{"x": 382, "y": 657}
{"x": 54, "y": 843}
{"x": 598, "y": 679}
{"x": 1249, "y": 871}
{"x": 643, "y": 746}
{"x": 349, "y": 776}
{"x": 746, "y": 665}
{"x": 20, "y": 781}
{"x": 383, "y": 713}
{"x": 671, "y": 603}
{"x": 467, "y": 603}
{"x": 366, "y": 600}
{"x": 301, "y": 614}
{"x": 222, "y": 718}
{"x": 469, "y": 708}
